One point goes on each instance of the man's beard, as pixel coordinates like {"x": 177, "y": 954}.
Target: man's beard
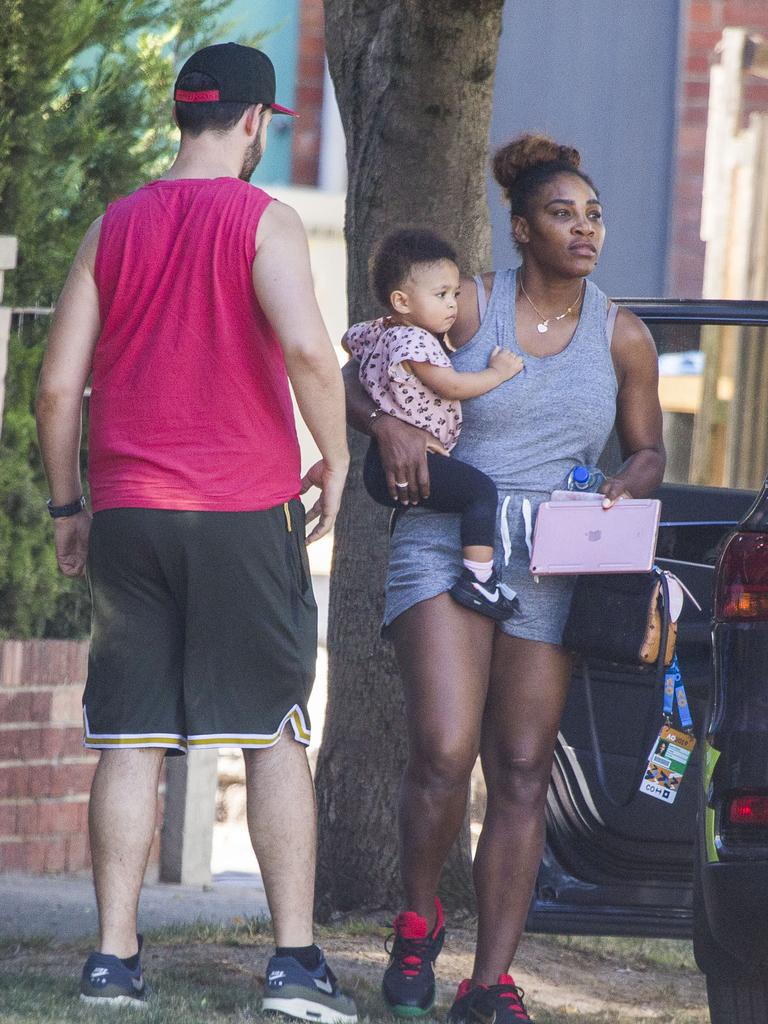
{"x": 251, "y": 159}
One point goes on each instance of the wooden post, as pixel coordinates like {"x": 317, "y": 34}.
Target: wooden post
{"x": 8, "y": 252}
{"x": 729, "y": 438}
{"x": 187, "y": 836}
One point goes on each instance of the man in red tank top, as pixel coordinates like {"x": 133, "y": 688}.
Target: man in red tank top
{"x": 190, "y": 305}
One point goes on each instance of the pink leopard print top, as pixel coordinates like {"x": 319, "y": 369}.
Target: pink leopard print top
{"x": 382, "y": 347}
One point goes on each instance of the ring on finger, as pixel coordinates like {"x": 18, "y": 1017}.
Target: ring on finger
{"x": 401, "y": 485}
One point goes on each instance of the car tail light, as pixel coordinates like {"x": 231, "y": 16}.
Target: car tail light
{"x": 749, "y": 809}
{"x": 742, "y": 578}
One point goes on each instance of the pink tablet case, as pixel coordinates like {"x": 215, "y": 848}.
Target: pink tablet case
{"x": 573, "y": 537}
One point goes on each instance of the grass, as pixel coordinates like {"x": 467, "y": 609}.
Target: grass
{"x": 244, "y": 931}
{"x": 639, "y": 954}
{"x": 209, "y": 974}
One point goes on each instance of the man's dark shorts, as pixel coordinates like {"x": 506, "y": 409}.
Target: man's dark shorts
{"x": 204, "y": 629}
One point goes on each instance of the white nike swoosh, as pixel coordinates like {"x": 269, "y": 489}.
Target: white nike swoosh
{"x": 324, "y": 985}
{"x": 492, "y": 597}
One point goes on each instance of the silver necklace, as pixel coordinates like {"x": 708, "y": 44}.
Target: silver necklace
{"x": 544, "y": 321}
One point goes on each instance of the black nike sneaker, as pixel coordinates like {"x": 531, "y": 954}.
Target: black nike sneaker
{"x": 493, "y": 598}
{"x": 314, "y": 995}
{"x": 106, "y": 981}
{"x": 492, "y": 1004}
{"x": 409, "y": 980}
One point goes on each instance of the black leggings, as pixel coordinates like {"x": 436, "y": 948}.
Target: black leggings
{"x": 454, "y": 486}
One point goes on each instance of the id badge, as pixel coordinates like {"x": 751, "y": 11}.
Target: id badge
{"x": 669, "y": 757}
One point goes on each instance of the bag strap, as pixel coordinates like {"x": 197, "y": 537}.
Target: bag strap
{"x": 482, "y": 298}
{"x": 597, "y": 753}
{"x": 610, "y": 322}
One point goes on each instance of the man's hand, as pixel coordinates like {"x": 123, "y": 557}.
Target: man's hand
{"x": 403, "y": 451}
{"x": 326, "y": 508}
{"x": 71, "y": 539}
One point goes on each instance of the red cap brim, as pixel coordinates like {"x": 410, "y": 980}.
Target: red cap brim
{"x": 283, "y": 110}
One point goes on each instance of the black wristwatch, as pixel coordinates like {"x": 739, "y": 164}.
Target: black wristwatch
{"x": 62, "y": 511}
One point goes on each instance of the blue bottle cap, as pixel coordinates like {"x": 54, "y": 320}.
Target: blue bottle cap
{"x": 581, "y": 474}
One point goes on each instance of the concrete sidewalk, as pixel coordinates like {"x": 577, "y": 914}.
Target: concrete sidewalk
{"x": 64, "y": 907}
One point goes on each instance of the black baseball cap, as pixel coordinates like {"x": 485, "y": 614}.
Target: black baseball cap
{"x": 241, "y": 74}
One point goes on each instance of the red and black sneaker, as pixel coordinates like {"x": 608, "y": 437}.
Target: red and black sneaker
{"x": 409, "y": 980}
{"x": 489, "y": 1004}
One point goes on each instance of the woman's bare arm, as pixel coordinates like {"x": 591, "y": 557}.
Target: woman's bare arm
{"x": 638, "y": 411}
{"x": 403, "y": 448}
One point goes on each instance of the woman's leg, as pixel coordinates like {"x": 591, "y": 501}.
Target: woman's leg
{"x": 526, "y": 696}
{"x": 444, "y": 654}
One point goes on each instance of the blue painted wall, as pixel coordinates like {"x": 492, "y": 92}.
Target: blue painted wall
{"x": 280, "y": 18}
{"x": 600, "y": 75}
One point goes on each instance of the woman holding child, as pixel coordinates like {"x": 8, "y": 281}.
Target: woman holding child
{"x": 474, "y": 684}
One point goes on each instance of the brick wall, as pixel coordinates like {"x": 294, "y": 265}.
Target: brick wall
{"x": 703, "y": 24}
{"x": 310, "y": 68}
{"x": 45, "y": 772}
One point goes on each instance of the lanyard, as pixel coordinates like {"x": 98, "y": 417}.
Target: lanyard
{"x": 674, "y": 693}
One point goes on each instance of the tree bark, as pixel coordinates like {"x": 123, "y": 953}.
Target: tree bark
{"x": 414, "y": 83}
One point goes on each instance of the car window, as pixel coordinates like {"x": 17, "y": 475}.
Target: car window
{"x": 712, "y": 387}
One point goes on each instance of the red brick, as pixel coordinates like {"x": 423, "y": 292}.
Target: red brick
{"x": 71, "y": 779}
{"x": 749, "y": 14}
{"x": 691, "y": 136}
{"x": 77, "y": 852}
{"x": 14, "y": 780}
{"x": 690, "y": 164}
{"x": 313, "y": 45}
{"x": 42, "y": 662}
{"x": 37, "y": 856}
{"x": 58, "y": 818}
{"x": 27, "y": 816}
{"x": 704, "y": 40}
{"x": 25, "y": 706}
{"x": 39, "y": 780}
{"x": 697, "y": 115}
{"x": 8, "y": 819}
{"x": 696, "y": 91}
{"x": 705, "y": 13}
{"x": 11, "y": 744}
{"x": 55, "y": 855}
{"x": 50, "y": 743}
{"x": 697, "y": 63}
{"x": 12, "y": 856}
{"x": 688, "y": 192}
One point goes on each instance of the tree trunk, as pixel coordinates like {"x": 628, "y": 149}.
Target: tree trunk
{"x": 414, "y": 84}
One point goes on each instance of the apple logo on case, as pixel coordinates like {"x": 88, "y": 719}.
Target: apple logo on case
{"x": 594, "y": 534}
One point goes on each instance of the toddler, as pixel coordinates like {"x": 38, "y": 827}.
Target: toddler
{"x": 405, "y": 369}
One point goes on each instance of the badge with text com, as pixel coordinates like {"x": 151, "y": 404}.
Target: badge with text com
{"x": 667, "y": 762}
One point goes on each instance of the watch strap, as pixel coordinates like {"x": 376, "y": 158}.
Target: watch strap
{"x": 62, "y": 511}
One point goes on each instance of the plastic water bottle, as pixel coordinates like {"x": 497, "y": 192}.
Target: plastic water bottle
{"x": 584, "y": 478}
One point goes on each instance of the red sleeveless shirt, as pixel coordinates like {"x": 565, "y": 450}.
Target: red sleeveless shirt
{"x": 190, "y": 406}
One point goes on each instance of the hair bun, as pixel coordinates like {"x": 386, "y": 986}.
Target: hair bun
{"x": 528, "y": 151}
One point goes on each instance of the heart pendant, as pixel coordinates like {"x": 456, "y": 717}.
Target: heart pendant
{"x": 542, "y": 328}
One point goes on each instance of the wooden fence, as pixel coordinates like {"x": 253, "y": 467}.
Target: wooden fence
{"x": 730, "y": 436}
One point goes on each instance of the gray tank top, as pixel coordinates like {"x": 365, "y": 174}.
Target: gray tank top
{"x": 528, "y": 433}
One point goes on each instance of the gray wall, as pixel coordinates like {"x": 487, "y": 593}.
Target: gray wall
{"x": 600, "y": 75}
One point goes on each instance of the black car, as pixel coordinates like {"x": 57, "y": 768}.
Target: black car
{"x": 619, "y": 862}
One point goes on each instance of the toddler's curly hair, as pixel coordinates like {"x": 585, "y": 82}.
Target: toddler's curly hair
{"x": 398, "y": 253}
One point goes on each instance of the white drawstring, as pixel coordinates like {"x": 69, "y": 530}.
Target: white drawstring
{"x": 506, "y": 540}
{"x": 528, "y": 521}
